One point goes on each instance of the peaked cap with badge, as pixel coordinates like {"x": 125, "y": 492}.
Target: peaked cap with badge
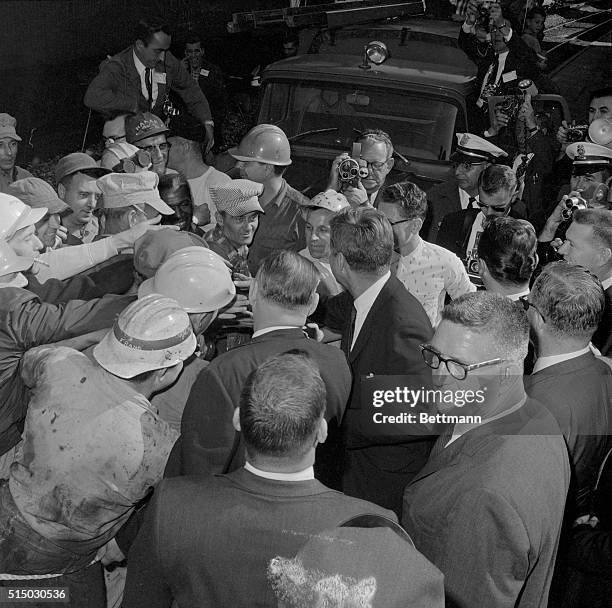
{"x": 473, "y": 149}
{"x": 589, "y": 155}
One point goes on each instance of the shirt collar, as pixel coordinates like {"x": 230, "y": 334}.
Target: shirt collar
{"x": 304, "y": 475}
{"x": 515, "y": 296}
{"x": 140, "y": 67}
{"x": 280, "y": 195}
{"x": 418, "y": 247}
{"x": 366, "y": 299}
{"x": 544, "y": 362}
{"x": 606, "y": 283}
{"x": 267, "y": 330}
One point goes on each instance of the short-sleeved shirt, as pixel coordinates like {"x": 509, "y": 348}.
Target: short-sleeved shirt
{"x": 7, "y": 180}
{"x": 429, "y": 272}
{"x": 280, "y": 227}
{"x": 237, "y": 257}
{"x": 93, "y": 447}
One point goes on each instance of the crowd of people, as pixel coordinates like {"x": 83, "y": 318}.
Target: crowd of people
{"x": 188, "y": 360}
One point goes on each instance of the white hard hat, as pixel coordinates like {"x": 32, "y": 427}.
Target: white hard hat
{"x": 15, "y": 215}
{"x": 11, "y": 263}
{"x": 198, "y": 278}
{"x": 330, "y": 200}
{"x": 152, "y": 333}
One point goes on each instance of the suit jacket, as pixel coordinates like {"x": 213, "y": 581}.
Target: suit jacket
{"x": 117, "y": 88}
{"x": 603, "y": 336}
{"x": 442, "y": 199}
{"x": 455, "y": 229}
{"x": 207, "y": 541}
{"x": 578, "y": 393}
{"x": 377, "y": 467}
{"x": 207, "y": 433}
{"x": 488, "y": 508}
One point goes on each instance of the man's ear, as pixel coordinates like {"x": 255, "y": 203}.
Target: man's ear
{"x": 139, "y": 44}
{"x": 417, "y": 224}
{"x": 483, "y": 269}
{"x": 322, "y": 431}
{"x": 605, "y": 254}
{"x": 61, "y": 191}
{"x": 134, "y": 217}
{"x": 314, "y": 302}
{"x": 236, "y": 419}
{"x": 390, "y": 163}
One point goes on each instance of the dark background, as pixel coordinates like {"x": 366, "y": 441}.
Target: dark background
{"x": 51, "y": 49}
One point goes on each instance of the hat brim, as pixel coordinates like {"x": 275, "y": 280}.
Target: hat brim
{"x": 152, "y": 133}
{"x": 458, "y": 156}
{"x": 33, "y": 216}
{"x": 95, "y": 172}
{"x": 159, "y": 206}
{"x": 56, "y": 206}
{"x": 233, "y": 152}
{"x": 146, "y": 287}
{"x": 249, "y": 208}
{"x": 126, "y": 362}
{"x": 10, "y": 136}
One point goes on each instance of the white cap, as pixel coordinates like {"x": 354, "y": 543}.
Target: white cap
{"x": 474, "y": 149}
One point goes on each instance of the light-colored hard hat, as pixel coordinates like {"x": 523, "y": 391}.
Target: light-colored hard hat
{"x": 198, "y": 278}
{"x": 330, "y": 200}
{"x": 264, "y": 144}
{"x": 11, "y": 263}
{"x": 152, "y": 333}
{"x": 600, "y": 132}
{"x": 15, "y": 215}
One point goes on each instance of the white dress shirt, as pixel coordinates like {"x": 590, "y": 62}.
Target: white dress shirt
{"x": 544, "y": 362}
{"x": 141, "y": 69}
{"x": 606, "y": 283}
{"x": 267, "y": 330}
{"x": 364, "y": 303}
{"x": 464, "y": 198}
{"x": 429, "y": 272}
{"x": 304, "y": 475}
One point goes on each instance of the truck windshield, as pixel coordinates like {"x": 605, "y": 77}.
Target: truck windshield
{"x": 330, "y": 115}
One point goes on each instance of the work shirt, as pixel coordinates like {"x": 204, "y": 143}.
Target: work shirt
{"x": 93, "y": 447}
{"x": 221, "y": 245}
{"x": 280, "y": 227}
{"x": 15, "y": 174}
{"x": 429, "y": 272}
{"x": 85, "y": 233}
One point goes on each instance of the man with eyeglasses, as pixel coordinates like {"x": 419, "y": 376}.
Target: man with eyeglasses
{"x": 460, "y": 231}
{"x": 148, "y": 132}
{"x": 113, "y": 131}
{"x": 377, "y": 154}
{"x": 471, "y": 157}
{"x": 488, "y": 506}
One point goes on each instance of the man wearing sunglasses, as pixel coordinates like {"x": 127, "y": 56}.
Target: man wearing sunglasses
{"x": 487, "y": 508}
{"x": 460, "y": 231}
{"x": 471, "y": 157}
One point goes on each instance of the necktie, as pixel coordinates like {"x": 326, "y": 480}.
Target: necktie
{"x": 149, "y": 84}
{"x": 351, "y": 330}
{"x": 472, "y": 203}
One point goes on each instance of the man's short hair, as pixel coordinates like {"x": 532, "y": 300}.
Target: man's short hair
{"x": 598, "y": 93}
{"x": 500, "y": 321}
{"x": 364, "y": 237}
{"x": 508, "y": 247}
{"x": 192, "y": 38}
{"x": 377, "y": 135}
{"x": 287, "y": 279}
{"x": 496, "y": 178}
{"x": 601, "y": 222}
{"x": 411, "y": 198}
{"x": 570, "y": 299}
{"x": 145, "y": 30}
{"x": 281, "y": 406}
{"x": 536, "y": 10}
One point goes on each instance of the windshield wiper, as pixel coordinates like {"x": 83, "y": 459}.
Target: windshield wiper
{"x": 313, "y": 132}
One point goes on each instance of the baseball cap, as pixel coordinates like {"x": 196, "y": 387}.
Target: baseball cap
{"x": 7, "y": 127}
{"x": 75, "y": 162}
{"x": 155, "y": 247}
{"x": 474, "y": 149}
{"x": 37, "y": 193}
{"x": 143, "y": 125}
{"x": 126, "y": 189}
{"x": 237, "y": 197}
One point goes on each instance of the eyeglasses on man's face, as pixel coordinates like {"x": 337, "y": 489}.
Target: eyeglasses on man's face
{"x": 455, "y": 368}
{"x": 376, "y": 165}
{"x": 163, "y": 147}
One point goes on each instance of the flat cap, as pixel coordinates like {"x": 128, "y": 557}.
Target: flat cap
{"x": 237, "y": 197}
{"x": 8, "y": 125}
{"x": 37, "y": 193}
{"x": 126, "y": 189}
{"x": 75, "y": 162}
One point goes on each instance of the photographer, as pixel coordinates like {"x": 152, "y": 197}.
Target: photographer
{"x": 505, "y": 63}
{"x": 375, "y": 160}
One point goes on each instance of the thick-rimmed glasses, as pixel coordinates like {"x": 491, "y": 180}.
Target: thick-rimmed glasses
{"x": 376, "y": 165}
{"x": 456, "y": 369}
{"x": 163, "y": 147}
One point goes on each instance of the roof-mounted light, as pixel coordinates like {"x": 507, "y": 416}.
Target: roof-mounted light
{"x": 375, "y": 52}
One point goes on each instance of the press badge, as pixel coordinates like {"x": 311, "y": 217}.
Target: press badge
{"x": 204, "y": 72}
{"x": 508, "y": 76}
{"x": 160, "y": 77}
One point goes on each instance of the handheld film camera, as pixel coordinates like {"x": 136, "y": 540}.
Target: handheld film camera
{"x": 352, "y": 169}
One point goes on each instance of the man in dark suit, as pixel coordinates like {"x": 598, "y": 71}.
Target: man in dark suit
{"x": 282, "y": 295}
{"x": 487, "y": 508}
{"x": 139, "y": 78}
{"x": 565, "y": 306}
{"x": 207, "y": 540}
{"x": 471, "y": 157}
{"x": 460, "y": 231}
{"x": 382, "y": 325}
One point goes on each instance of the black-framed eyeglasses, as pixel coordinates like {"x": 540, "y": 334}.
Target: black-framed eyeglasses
{"x": 113, "y": 139}
{"x": 397, "y": 222}
{"x": 496, "y": 208}
{"x": 163, "y": 147}
{"x": 456, "y": 369}
{"x": 376, "y": 165}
